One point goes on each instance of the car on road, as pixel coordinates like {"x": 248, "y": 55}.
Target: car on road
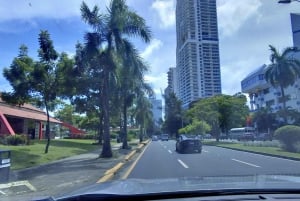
{"x": 164, "y": 137}
{"x": 154, "y": 137}
{"x": 188, "y": 144}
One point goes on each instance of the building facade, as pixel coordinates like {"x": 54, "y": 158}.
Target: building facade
{"x": 262, "y": 94}
{"x": 156, "y": 110}
{"x": 172, "y": 80}
{"x": 197, "y": 51}
{"x": 295, "y": 19}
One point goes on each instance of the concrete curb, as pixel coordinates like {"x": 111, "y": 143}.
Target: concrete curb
{"x": 109, "y": 174}
{"x": 256, "y": 152}
{"x": 114, "y": 169}
{"x": 131, "y": 154}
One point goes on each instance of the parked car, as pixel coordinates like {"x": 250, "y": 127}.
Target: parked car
{"x": 188, "y": 143}
{"x": 154, "y": 137}
{"x": 164, "y": 137}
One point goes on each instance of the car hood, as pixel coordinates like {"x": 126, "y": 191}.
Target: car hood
{"x": 142, "y": 186}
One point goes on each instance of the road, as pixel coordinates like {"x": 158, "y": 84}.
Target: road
{"x": 160, "y": 160}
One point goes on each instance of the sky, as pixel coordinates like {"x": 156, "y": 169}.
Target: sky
{"x": 246, "y": 29}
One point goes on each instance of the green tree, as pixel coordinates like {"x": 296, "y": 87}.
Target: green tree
{"x": 197, "y": 127}
{"x": 173, "y": 114}
{"x": 283, "y": 71}
{"x": 109, "y": 36}
{"x": 221, "y": 112}
{"x": 143, "y": 114}
{"x": 131, "y": 83}
{"x": 37, "y": 81}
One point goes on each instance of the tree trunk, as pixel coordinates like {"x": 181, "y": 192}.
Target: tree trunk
{"x": 141, "y": 133}
{"x": 106, "y": 149}
{"x": 47, "y": 130}
{"x": 284, "y": 105}
{"x": 100, "y": 130}
{"x": 125, "y": 144}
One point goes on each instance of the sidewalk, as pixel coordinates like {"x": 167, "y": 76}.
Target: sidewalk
{"x": 62, "y": 176}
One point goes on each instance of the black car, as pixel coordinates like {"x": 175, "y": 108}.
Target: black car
{"x": 188, "y": 143}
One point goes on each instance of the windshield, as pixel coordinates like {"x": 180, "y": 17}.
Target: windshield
{"x": 97, "y": 91}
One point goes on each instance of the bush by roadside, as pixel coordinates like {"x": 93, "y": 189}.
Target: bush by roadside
{"x": 289, "y": 136}
{"x": 14, "y": 140}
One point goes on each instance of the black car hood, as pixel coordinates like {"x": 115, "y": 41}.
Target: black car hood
{"x": 141, "y": 186}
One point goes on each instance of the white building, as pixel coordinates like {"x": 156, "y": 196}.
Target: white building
{"x": 197, "y": 51}
{"x": 261, "y": 93}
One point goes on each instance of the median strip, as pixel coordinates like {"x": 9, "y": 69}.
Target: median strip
{"x": 114, "y": 169}
{"x": 130, "y": 155}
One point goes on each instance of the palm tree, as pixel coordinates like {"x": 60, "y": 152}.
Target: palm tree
{"x": 283, "y": 71}
{"x": 109, "y": 38}
{"x": 131, "y": 77}
{"x": 143, "y": 113}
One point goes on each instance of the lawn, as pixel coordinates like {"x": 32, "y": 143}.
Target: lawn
{"x": 277, "y": 151}
{"x": 33, "y": 155}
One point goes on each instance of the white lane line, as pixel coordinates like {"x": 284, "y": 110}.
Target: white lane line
{"x": 205, "y": 151}
{"x": 182, "y": 163}
{"x": 170, "y": 151}
{"x": 250, "y": 164}
{"x": 2, "y": 192}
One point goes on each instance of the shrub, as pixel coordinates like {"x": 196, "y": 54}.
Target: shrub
{"x": 289, "y": 136}
{"x": 15, "y": 140}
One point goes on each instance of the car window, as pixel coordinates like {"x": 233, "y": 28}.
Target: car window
{"x": 187, "y": 94}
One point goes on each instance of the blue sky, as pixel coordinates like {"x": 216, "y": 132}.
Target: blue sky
{"x": 246, "y": 28}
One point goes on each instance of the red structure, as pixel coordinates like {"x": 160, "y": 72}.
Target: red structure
{"x": 27, "y": 119}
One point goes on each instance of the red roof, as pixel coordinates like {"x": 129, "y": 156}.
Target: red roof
{"x": 25, "y": 111}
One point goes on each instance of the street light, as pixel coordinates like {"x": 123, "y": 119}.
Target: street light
{"x": 287, "y": 1}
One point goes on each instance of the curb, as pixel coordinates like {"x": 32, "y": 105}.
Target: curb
{"x": 256, "y": 152}
{"x": 109, "y": 174}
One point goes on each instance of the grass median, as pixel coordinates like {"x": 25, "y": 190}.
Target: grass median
{"x": 33, "y": 155}
{"x": 262, "y": 147}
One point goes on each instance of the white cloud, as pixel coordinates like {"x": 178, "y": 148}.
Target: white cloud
{"x": 154, "y": 45}
{"x": 232, "y": 14}
{"x": 166, "y": 12}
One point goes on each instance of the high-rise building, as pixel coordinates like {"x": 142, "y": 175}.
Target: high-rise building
{"x": 197, "y": 51}
{"x": 156, "y": 110}
{"x": 172, "y": 80}
{"x": 295, "y": 19}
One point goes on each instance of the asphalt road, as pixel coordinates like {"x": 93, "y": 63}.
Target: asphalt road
{"x": 160, "y": 160}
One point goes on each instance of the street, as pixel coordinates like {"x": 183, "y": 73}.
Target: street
{"x": 160, "y": 160}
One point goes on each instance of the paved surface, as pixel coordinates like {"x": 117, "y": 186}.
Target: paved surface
{"x": 58, "y": 178}
{"x": 160, "y": 160}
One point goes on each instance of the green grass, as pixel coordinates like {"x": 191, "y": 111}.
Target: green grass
{"x": 33, "y": 155}
{"x": 259, "y": 148}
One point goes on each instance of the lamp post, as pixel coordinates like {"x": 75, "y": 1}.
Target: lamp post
{"x": 287, "y": 1}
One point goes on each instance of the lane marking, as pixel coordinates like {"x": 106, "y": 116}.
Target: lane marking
{"x": 205, "y": 151}
{"x": 170, "y": 151}
{"x": 182, "y": 163}
{"x": 134, "y": 163}
{"x": 2, "y": 193}
{"x": 250, "y": 164}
